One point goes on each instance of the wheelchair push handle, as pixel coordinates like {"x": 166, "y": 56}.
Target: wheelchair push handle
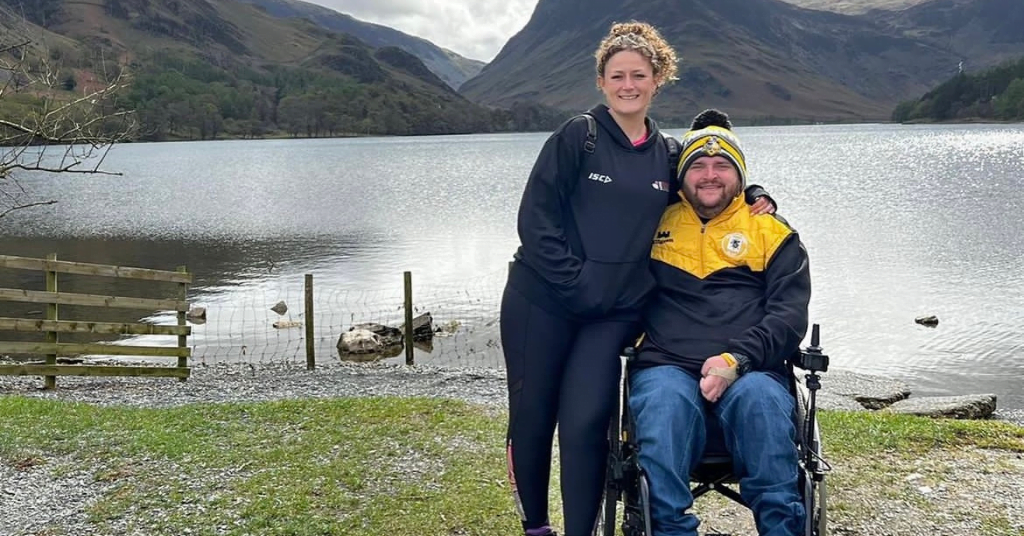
{"x": 812, "y": 359}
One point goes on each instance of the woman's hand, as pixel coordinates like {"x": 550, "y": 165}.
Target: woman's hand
{"x": 762, "y": 206}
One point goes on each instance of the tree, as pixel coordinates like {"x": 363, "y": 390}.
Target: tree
{"x": 45, "y": 129}
{"x": 1010, "y": 104}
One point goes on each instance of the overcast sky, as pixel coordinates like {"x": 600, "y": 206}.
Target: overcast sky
{"x": 475, "y": 29}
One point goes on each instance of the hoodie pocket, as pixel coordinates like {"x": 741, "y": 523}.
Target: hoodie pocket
{"x": 603, "y": 287}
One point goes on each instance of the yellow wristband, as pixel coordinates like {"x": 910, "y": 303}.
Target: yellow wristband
{"x": 729, "y": 359}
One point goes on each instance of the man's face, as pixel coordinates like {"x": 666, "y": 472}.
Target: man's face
{"x": 710, "y": 184}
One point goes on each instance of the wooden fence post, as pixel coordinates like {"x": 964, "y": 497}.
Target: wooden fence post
{"x": 310, "y": 342}
{"x": 182, "y": 339}
{"x": 50, "y": 382}
{"x": 408, "y": 319}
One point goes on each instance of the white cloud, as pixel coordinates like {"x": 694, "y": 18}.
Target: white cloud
{"x": 476, "y": 29}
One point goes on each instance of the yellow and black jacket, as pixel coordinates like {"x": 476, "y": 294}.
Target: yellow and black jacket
{"x": 737, "y": 283}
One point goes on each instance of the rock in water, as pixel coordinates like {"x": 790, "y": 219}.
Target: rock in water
{"x": 196, "y": 315}
{"x": 359, "y": 341}
{"x": 422, "y": 327}
{"x": 388, "y": 335}
{"x": 280, "y": 308}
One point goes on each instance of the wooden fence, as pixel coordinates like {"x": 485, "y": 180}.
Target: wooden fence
{"x": 52, "y": 327}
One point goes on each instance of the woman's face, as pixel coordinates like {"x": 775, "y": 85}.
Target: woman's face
{"x": 628, "y": 83}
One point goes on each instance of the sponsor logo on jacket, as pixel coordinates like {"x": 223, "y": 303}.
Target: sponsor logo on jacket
{"x": 597, "y": 177}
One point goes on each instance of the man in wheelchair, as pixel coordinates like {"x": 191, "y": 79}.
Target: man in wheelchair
{"x": 730, "y": 309}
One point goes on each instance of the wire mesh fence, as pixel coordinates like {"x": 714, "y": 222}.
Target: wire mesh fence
{"x": 240, "y": 325}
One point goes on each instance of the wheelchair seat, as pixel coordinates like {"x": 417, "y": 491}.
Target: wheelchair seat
{"x": 715, "y": 468}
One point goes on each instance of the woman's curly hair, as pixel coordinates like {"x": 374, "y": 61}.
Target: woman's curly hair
{"x": 643, "y": 38}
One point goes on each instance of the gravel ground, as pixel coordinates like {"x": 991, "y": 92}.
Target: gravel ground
{"x": 951, "y": 493}
{"x": 265, "y": 382}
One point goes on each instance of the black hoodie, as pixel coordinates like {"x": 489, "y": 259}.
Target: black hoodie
{"x": 586, "y": 220}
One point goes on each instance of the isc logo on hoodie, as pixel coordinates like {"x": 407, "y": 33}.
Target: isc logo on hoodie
{"x": 604, "y": 179}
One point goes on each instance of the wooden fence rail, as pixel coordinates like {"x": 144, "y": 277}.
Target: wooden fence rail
{"x": 51, "y": 327}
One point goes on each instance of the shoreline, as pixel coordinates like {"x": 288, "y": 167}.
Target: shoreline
{"x": 261, "y": 382}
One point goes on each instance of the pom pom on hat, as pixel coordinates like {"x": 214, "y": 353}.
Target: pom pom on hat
{"x": 711, "y": 118}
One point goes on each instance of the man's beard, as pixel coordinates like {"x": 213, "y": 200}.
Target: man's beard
{"x": 710, "y": 211}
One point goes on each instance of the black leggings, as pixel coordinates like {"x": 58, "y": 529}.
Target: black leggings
{"x": 565, "y": 372}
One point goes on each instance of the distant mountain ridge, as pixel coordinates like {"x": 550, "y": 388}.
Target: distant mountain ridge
{"x": 447, "y": 65}
{"x": 982, "y": 33}
{"x": 759, "y": 59}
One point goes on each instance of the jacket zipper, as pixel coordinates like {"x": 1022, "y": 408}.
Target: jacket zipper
{"x": 703, "y": 246}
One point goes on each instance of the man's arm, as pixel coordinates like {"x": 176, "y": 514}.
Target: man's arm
{"x": 787, "y": 294}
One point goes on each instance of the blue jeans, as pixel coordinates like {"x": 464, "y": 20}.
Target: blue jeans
{"x": 756, "y": 415}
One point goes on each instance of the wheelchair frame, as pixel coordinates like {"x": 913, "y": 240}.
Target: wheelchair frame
{"x": 626, "y": 481}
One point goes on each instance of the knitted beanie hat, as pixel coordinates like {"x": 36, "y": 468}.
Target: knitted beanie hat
{"x": 711, "y": 135}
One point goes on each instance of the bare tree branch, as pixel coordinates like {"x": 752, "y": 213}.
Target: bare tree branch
{"x": 8, "y": 210}
{"x": 47, "y": 129}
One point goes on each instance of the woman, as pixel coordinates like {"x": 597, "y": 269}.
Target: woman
{"x": 572, "y": 302}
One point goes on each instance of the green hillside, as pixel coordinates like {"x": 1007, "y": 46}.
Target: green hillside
{"x": 207, "y": 69}
{"x": 994, "y": 94}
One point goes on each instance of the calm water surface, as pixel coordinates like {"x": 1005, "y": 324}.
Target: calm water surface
{"x": 900, "y": 221}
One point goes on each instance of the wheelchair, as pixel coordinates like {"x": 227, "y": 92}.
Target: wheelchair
{"x": 626, "y": 482}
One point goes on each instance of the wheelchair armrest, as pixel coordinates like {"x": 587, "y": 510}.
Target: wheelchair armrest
{"x": 812, "y": 360}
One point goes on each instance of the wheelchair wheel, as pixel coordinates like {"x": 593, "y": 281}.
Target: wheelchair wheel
{"x": 818, "y": 529}
{"x": 645, "y": 504}
{"x": 815, "y": 497}
{"x": 605, "y": 525}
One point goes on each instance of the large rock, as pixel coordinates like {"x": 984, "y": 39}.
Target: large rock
{"x": 359, "y": 341}
{"x": 422, "y": 327}
{"x": 389, "y": 336}
{"x": 871, "y": 392}
{"x": 196, "y": 314}
{"x": 954, "y": 407}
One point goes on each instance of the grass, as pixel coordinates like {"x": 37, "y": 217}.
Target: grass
{"x": 848, "y": 434}
{"x": 395, "y": 466}
{"x": 365, "y": 466}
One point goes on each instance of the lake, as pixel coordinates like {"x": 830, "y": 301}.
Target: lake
{"x": 899, "y": 221}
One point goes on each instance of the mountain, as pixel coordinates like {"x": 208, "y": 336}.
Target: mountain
{"x": 761, "y": 60}
{"x": 447, "y": 65}
{"x": 213, "y": 68}
{"x": 981, "y": 33}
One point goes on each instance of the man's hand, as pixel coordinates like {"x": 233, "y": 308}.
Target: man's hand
{"x": 717, "y": 374}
